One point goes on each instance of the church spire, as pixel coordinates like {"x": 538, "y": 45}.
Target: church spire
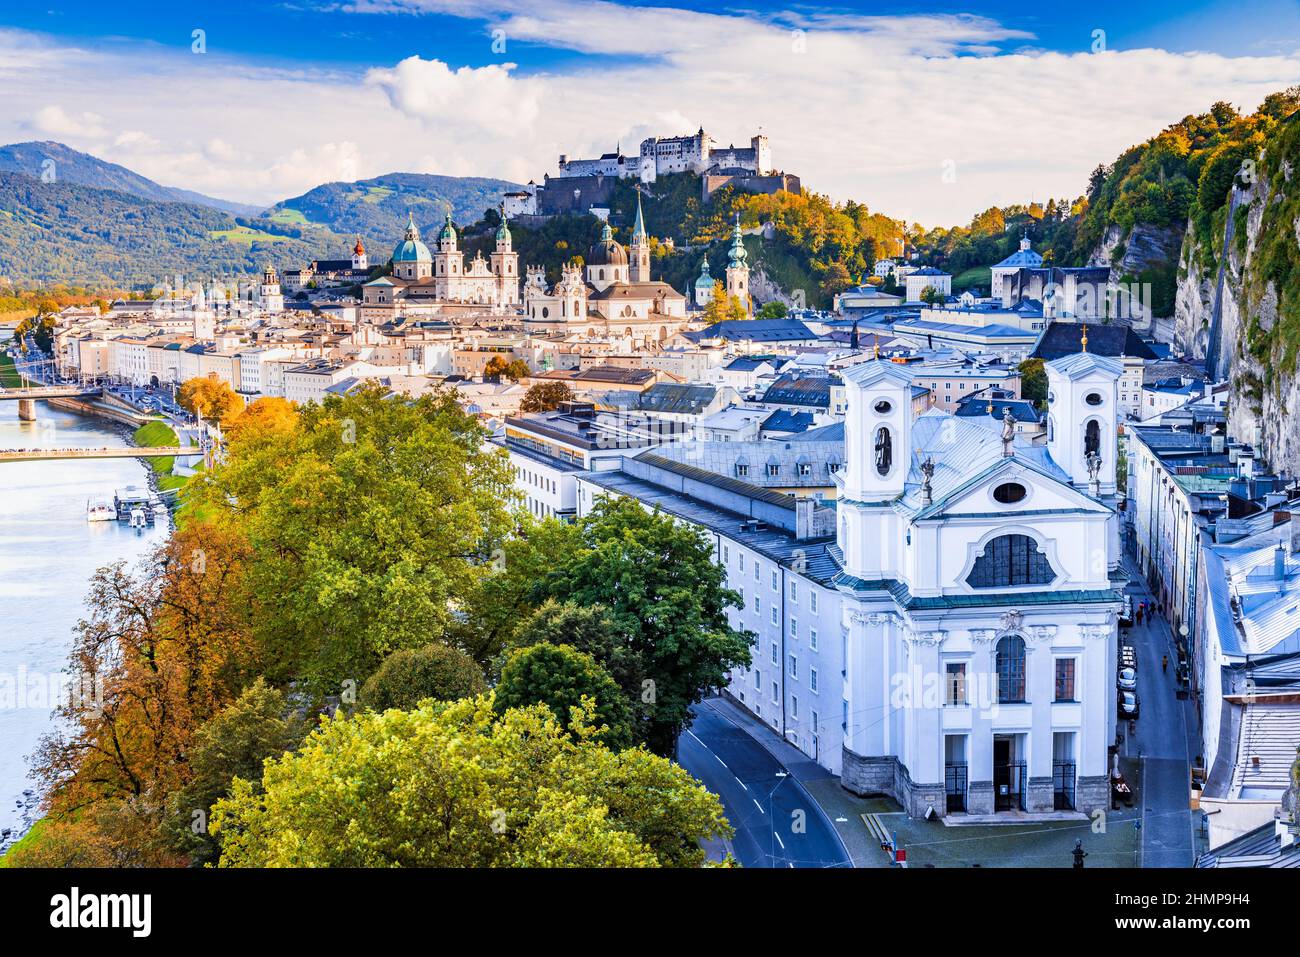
{"x": 638, "y": 230}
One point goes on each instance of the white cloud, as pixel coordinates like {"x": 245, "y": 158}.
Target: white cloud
{"x": 864, "y": 107}
{"x": 477, "y": 98}
{"x": 56, "y": 121}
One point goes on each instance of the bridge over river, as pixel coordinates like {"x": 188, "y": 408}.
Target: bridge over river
{"x": 126, "y": 452}
{"x": 26, "y": 398}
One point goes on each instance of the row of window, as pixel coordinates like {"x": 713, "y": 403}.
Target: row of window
{"x": 1009, "y": 664}
{"x": 535, "y": 479}
{"x": 774, "y": 469}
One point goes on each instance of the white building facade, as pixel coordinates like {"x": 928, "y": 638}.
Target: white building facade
{"x": 946, "y": 635}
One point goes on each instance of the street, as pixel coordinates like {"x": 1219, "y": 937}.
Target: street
{"x": 744, "y": 774}
{"x": 1159, "y": 747}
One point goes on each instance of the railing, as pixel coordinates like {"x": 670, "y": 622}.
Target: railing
{"x": 954, "y": 781}
{"x": 1063, "y": 780}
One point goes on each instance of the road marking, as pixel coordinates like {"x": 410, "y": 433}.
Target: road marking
{"x": 757, "y": 805}
{"x": 778, "y": 840}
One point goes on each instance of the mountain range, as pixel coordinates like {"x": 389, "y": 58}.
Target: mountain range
{"x": 68, "y": 217}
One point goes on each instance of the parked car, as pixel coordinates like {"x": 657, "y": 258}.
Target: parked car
{"x": 1128, "y": 657}
{"x": 1129, "y": 706}
{"x": 1126, "y": 612}
{"x": 1128, "y": 679}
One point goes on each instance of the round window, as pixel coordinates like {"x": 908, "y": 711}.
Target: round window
{"x": 1009, "y": 492}
{"x": 1094, "y": 398}
{"x": 883, "y": 407}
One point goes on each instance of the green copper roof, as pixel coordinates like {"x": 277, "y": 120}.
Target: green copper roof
{"x": 638, "y": 230}
{"x": 705, "y": 281}
{"x": 737, "y": 256}
{"x": 410, "y": 249}
{"x": 448, "y": 231}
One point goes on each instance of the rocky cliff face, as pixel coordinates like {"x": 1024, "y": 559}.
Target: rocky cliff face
{"x": 1237, "y": 304}
{"x": 1144, "y": 247}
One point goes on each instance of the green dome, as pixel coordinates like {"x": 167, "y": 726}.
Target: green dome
{"x": 410, "y": 249}
{"x": 705, "y": 281}
{"x": 448, "y": 231}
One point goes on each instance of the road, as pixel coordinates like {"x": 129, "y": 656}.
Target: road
{"x": 1160, "y": 742}
{"x": 744, "y": 774}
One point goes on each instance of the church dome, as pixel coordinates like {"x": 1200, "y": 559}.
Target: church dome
{"x": 705, "y": 281}
{"x": 410, "y": 249}
{"x": 607, "y": 252}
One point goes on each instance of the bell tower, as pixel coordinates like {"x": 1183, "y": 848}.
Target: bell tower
{"x": 505, "y": 264}
{"x": 1082, "y": 417}
{"x": 638, "y": 252}
{"x": 738, "y": 268}
{"x": 877, "y": 457}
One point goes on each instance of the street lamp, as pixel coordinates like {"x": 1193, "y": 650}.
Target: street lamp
{"x": 771, "y": 815}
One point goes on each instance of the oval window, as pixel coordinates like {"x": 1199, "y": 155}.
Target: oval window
{"x": 1094, "y": 398}
{"x": 883, "y": 407}
{"x": 1009, "y": 492}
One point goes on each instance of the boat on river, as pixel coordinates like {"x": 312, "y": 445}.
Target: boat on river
{"x": 100, "y": 510}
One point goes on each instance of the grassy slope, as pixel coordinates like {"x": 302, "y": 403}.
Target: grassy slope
{"x": 157, "y": 434}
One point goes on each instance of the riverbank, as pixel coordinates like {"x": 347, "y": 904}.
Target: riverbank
{"x": 48, "y": 554}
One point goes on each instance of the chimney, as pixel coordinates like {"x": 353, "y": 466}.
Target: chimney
{"x": 1279, "y": 563}
{"x": 1295, "y": 533}
{"x": 803, "y": 518}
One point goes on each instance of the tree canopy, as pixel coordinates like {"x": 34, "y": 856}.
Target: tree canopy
{"x": 457, "y": 785}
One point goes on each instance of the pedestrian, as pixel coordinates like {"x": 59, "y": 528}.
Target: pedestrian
{"x": 1164, "y": 664}
{"x": 1139, "y": 615}
{"x": 1079, "y": 854}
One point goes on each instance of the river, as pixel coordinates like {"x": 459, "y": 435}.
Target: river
{"x": 48, "y": 551}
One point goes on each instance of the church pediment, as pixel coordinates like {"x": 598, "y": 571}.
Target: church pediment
{"x": 1011, "y": 487}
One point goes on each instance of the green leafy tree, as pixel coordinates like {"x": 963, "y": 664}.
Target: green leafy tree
{"x": 1033, "y": 382}
{"x": 234, "y": 743}
{"x": 667, "y": 597}
{"x": 369, "y": 523}
{"x": 560, "y": 677}
{"x": 546, "y": 396}
{"x": 408, "y": 676}
{"x": 457, "y": 785}
{"x": 775, "y": 309}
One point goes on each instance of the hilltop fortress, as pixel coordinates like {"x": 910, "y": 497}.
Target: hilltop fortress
{"x": 587, "y": 185}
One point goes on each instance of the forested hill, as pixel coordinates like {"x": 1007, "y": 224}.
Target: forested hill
{"x": 54, "y": 162}
{"x": 377, "y": 208}
{"x": 64, "y": 233}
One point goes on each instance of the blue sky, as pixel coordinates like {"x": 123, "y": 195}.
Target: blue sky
{"x": 1021, "y": 99}
{"x": 254, "y": 29}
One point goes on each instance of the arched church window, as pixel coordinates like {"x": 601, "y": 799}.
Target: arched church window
{"x": 884, "y": 451}
{"x": 1092, "y": 438}
{"x": 1008, "y": 561}
{"x": 1010, "y": 661}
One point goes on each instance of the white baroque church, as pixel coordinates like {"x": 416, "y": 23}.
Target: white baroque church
{"x": 945, "y": 631}
{"x": 980, "y": 590}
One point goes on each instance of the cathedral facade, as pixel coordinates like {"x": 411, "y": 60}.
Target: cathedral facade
{"x": 427, "y": 283}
